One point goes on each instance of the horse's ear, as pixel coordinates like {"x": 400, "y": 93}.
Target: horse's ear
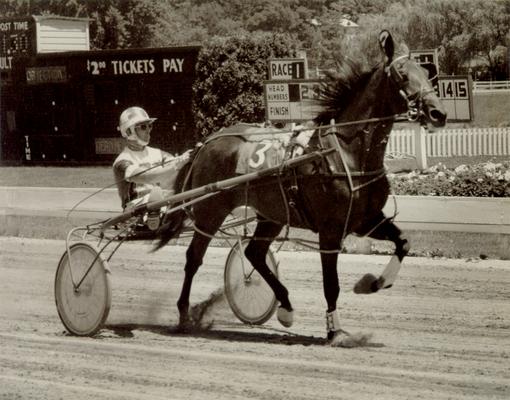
{"x": 387, "y": 45}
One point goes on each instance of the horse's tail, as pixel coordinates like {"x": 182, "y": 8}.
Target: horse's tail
{"x": 173, "y": 223}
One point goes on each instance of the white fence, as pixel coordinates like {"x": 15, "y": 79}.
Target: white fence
{"x": 451, "y": 142}
{"x": 491, "y": 85}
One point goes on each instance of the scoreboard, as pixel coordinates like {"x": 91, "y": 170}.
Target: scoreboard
{"x": 15, "y": 39}
{"x": 280, "y": 69}
{"x": 292, "y": 100}
{"x": 456, "y": 95}
{"x": 425, "y": 57}
{"x": 454, "y": 91}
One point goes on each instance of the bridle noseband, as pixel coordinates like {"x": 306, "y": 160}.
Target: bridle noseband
{"x": 414, "y": 100}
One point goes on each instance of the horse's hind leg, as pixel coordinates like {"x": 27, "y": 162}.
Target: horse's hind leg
{"x": 256, "y": 252}
{"x": 194, "y": 259}
{"x": 387, "y": 230}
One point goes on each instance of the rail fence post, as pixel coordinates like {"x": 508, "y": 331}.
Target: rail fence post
{"x": 421, "y": 146}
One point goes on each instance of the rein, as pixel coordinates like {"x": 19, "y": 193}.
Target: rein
{"x": 394, "y": 117}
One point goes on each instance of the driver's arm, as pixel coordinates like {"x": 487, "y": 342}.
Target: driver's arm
{"x": 151, "y": 174}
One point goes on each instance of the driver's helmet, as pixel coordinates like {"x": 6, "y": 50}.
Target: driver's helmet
{"x": 129, "y": 118}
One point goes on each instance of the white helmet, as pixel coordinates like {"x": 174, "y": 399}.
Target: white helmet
{"x": 129, "y": 118}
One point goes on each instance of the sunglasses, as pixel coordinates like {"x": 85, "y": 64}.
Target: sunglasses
{"x": 144, "y": 126}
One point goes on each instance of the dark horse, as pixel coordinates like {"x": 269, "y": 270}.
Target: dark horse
{"x": 332, "y": 204}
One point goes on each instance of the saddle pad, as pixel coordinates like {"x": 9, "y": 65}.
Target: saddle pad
{"x": 256, "y": 156}
{"x": 264, "y": 147}
{"x": 255, "y": 133}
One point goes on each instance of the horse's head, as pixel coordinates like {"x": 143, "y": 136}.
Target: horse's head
{"x": 413, "y": 83}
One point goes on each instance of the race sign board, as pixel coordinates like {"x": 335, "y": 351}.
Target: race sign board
{"x": 282, "y": 69}
{"x": 292, "y": 101}
{"x": 426, "y": 57}
{"x": 456, "y": 95}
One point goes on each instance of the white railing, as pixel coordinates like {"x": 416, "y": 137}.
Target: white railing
{"x": 491, "y": 85}
{"x": 451, "y": 142}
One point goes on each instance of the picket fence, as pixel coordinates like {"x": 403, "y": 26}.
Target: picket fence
{"x": 450, "y": 142}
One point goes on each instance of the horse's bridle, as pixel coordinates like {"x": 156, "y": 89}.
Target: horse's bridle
{"x": 414, "y": 100}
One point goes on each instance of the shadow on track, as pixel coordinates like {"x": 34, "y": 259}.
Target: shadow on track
{"x": 275, "y": 336}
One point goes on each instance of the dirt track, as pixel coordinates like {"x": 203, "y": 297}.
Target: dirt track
{"x": 442, "y": 332}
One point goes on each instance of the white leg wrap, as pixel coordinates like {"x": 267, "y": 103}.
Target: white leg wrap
{"x": 332, "y": 321}
{"x": 285, "y": 317}
{"x": 391, "y": 271}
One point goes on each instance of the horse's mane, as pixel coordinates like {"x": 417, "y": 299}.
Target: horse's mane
{"x": 340, "y": 87}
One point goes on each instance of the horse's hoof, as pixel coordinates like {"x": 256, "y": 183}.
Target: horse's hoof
{"x": 285, "y": 317}
{"x": 366, "y": 285}
{"x": 184, "y": 326}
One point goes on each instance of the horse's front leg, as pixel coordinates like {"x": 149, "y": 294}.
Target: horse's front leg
{"x": 256, "y": 252}
{"x": 387, "y": 230}
{"x": 330, "y": 245}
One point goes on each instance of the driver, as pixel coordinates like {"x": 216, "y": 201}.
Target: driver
{"x": 142, "y": 171}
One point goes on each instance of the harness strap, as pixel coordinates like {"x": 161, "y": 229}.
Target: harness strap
{"x": 298, "y": 203}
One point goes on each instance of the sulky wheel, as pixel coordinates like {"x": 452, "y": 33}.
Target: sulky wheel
{"x": 82, "y": 290}
{"x": 251, "y": 299}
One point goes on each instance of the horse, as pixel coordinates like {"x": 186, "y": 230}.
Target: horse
{"x": 363, "y": 104}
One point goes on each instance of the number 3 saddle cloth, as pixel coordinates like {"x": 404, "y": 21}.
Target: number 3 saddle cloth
{"x": 264, "y": 147}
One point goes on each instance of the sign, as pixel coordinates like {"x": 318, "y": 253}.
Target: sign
{"x": 287, "y": 68}
{"x": 138, "y": 65}
{"x": 15, "y": 39}
{"x": 456, "y": 96}
{"x": 55, "y": 74}
{"x": 426, "y": 57}
{"x": 292, "y": 101}
{"x": 109, "y": 145}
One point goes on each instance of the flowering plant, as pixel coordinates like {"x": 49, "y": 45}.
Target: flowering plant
{"x": 480, "y": 180}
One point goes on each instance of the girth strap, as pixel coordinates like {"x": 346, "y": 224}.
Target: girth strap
{"x": 298, "y": 203}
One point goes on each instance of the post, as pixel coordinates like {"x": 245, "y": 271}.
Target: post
{"x": 420, "y": 142}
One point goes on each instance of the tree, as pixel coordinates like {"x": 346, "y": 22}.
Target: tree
{"x": 462, "y": 30}
{"x": 490, "y": 29}
{"x": 230, "y": 75}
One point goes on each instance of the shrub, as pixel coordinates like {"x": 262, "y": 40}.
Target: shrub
{"x": 480, "y": 180}
{"x": 230, "y": 74}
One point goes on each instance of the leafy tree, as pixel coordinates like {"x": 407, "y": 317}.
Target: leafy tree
{"x": 462, "y": 30}
{"x": 490, "y": 26}
{"x": 230, "y": 75}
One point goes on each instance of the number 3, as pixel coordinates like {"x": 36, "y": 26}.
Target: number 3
{"x": 260, "y": 154}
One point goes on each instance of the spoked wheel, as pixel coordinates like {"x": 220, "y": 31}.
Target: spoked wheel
{"x": 251, "y": 299}
{"x": 82, "y": 290}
